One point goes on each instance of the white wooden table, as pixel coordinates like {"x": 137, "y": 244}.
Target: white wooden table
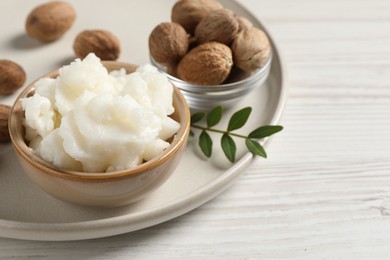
{"x": 324, "y": 191}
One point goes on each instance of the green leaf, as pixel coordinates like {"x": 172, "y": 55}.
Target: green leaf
{"x": 265, "y": 131}
{"x": 229, "y": 147}
{"x": 214, "y": 116}
{"x": 197, "y": 117}
{"x": 239, "y": 119}
{"x": 255, "y": 148}
{"x": 205, "y": 143}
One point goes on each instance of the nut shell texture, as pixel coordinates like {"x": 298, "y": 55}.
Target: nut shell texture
{"x": 188, "y": 13}
{"x": 207, "y": 64}
{"x": 103, "y": 43}
{"x": 4, "y": 114}
{"x": 168, "y": 43}
{"x": 251, "y": 49}
{"x": 12, "y": 77}
{"x": 48, "y": 22}
{"x": 243, "y": 23}
{"x": 221, "y": 26}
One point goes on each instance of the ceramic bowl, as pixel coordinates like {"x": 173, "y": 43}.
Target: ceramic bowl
{"x": 101, "y": 189}
{"x": 204, "y": 98}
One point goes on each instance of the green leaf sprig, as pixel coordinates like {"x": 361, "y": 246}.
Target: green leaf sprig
{"x": 228, "y": 145}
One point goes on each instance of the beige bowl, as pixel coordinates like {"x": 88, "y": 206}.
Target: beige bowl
{"x": 101, "y": 189}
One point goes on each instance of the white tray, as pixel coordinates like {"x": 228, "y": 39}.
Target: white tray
{"x": 26, "y": 212}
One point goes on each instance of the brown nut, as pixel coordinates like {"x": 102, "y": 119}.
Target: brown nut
{"x": 220, "y": 26}
{"x": 243, "y": 23}
{"x": 103, "y": 43}
{"x": 207, "y": 64}
{"x": 12, "y": 77}
{"x": 4, "y": 114}
{"x": 48, "y": 22}
{"x": 168, "y": 43}
{"x": 188, "y": 13}
{"x": 251, "y": 49}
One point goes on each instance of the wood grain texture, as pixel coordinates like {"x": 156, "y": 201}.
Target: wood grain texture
{"x": 324, "y": 191}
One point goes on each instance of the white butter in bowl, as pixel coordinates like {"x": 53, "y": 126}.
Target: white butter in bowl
{"x": 87, "y": 119}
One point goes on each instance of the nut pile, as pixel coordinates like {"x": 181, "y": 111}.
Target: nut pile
{"x": 207, "y": 44}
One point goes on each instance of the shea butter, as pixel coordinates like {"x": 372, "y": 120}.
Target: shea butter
{"x": 87, "y": 119}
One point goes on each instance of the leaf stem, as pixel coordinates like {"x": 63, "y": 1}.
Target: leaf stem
{"x": 218, "y": 131}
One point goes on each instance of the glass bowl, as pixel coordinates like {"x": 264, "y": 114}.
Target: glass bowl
{"x": 204, "y": 98}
